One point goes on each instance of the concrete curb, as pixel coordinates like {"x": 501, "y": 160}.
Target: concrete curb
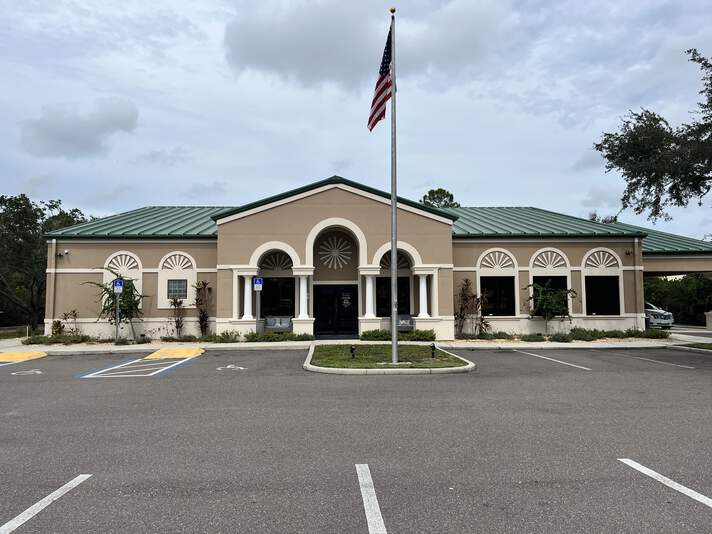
{"x": 553, "y": 345}
{"x": 469, "y": 366}
{"x": 694, "y": 349}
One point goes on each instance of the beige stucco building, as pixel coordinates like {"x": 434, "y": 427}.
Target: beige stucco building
{"x": 321, "y": 252}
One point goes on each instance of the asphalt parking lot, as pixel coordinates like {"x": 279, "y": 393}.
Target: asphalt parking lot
{"x": 247, "y": 441}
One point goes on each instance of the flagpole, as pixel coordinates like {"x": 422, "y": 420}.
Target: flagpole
{"x": 394, "y": 197}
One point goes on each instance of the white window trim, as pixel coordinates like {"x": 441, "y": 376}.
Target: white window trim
{"x": 189, "y": 275}
{"x": 557, "y": 271}
{"x": 135, "y": 275}
{"x": 609, "y": 271}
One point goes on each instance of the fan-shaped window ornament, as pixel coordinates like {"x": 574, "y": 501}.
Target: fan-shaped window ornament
{"x": 497, "y": 260}
{"x": 549, "y": 259}
{"x": 403, "y": 262}
{"x": 123, "y": 263}
{"x": 335, "y": 252}
{"x": 177, "y": 262}
{"x": 276, "y": 261}
{"x": 601, "y": 259}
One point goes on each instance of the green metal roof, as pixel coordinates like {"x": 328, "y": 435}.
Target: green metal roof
{"x": 334, "y": 180}
{"x": 158, "y": 222}
{"x": 663, "y": 243}
{"x": 198, "y": 222}
{"x": 525, "y": 222}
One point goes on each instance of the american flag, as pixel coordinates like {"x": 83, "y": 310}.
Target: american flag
{"x": 384, "y": 87}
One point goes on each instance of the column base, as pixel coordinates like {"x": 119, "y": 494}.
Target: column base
{"x": 368, "y": 323}
{"x": 303, "y": 326}
{"x": 241, "y": 326}
{"x": 444, "y": 327}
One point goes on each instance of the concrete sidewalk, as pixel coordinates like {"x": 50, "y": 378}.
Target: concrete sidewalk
{"x": 15, "y": 345}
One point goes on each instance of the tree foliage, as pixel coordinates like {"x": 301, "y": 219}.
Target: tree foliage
{"x": 23, "y": 253}
{"x": 605, "y": 219}
{"x": 687, "y": 298}
{"x": 439, "y": 198}
{"x": 468, "y": 310}
{"x": 129, "y": 301}
{"x": 549, "y": 303}
{"x": 663, "y": 165}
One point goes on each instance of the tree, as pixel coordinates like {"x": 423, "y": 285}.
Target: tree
{"x": 662, "y": 165}
{"x": 549, "y": 303}
{"x": 687, "y": 298}
{"x": 468, "y": 309}
{"x": 129, "y": 301}
{"x": 605, "y": 219}
{"x": 23, "y": 252}
{"x": 439, "y": 198}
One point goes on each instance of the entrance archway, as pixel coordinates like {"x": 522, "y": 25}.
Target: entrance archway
{"x": 336, "y": 282}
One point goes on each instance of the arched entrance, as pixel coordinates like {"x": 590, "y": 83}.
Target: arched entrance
{"x": 336, "y": 283}
{"x": 277, "y": 299}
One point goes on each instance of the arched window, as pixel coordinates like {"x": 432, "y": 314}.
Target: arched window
{"x": 602, "y": 275}
{"x": 549, "y": 267}
{"x": 497, "y": 283}
{"x": 177, "y": 276}
{"x": 125, "y": 264}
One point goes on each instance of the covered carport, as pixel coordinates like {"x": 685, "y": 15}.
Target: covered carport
{"x": 666, "y": 254}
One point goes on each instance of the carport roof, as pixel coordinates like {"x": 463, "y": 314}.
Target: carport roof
{"x": 663, "y": 243}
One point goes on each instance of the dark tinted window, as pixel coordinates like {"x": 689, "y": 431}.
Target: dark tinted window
{"x": 498, "y": 293}
{"x": 602, "y": 295}
{"x": 277, "y": 297}
{"x": 383, "y": 296}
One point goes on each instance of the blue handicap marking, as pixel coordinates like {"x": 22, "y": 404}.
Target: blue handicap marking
{"x": 118, "y": 283}
{"x": 258, "y": 281}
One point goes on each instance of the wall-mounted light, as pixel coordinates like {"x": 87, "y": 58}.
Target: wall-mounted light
{"x": 628, "y": 252}
{"x": 64, "y": 252}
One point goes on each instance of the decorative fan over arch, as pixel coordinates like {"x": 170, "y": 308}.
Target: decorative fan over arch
{"x": 276, "y": 261}
{"x": 601, "y": 259}
{"x": 123, "y": 263}
{"x": 335, "y": 252}
{"x": 497, "y": 260}
{"x": 403, "y": 261}
{"x": 549, "y": 259}
{"x": 177, "y": 262}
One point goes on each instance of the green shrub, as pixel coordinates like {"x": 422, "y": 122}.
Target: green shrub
{"x": 229, "y": 336}
{"x": 168, "y": 339}
{"x": 385, "y": 335}
{"x": 650, "y": 333}
{"x": 376, "y": 335}
{"x": 271, "y": 337}
{"x": 142, "y": 340}
{"x": 65, "y": 339}
{"x": 121, "y": 341}
{"x": 615, "y": 334}
{"x": 532, "y": 337}
{"x": 585, "y": 334}
{"x": 561, "y": 338}
{"x": 187, "y": 338}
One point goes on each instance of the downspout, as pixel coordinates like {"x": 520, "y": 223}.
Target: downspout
{"x": 53, "y": 262}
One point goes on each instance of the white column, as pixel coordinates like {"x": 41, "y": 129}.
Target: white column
{"x": 247, "y": 303}
{"x": 423, "y": 296}
{"x": 370, "y": 312}
{"x": 303, "y": 310}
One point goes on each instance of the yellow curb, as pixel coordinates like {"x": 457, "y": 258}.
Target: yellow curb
{"x": 178, "y": 352}
{"x": 14, "y": 357}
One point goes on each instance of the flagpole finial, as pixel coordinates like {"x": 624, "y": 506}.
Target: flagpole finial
{"x": 392, "y": 10}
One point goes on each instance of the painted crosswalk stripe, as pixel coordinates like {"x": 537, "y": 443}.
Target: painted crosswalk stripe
{"x": 692, "y": 494}
{"x": 370, "y": 501}
{"x": 41, "y": 505}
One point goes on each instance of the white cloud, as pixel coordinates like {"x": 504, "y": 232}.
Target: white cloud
{"x": 64, "y": 131}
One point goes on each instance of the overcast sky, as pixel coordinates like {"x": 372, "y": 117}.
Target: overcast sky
{"x": 113, "y": 105}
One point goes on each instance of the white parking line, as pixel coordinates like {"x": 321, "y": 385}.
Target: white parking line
{"x": 90, "y": 375}
{"x": 553, "y": 360}
{"x": 370, "y": 501}
{"x": 668, "y": 482}
{"x": 663, "y": 363}
{"x": 41, "y": 505}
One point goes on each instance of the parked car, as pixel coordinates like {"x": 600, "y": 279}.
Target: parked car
{"x": 655, "y": 316}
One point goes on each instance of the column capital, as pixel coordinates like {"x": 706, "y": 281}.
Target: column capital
{"x": 369, "y": 270}
{"x": 303, "y": 270}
